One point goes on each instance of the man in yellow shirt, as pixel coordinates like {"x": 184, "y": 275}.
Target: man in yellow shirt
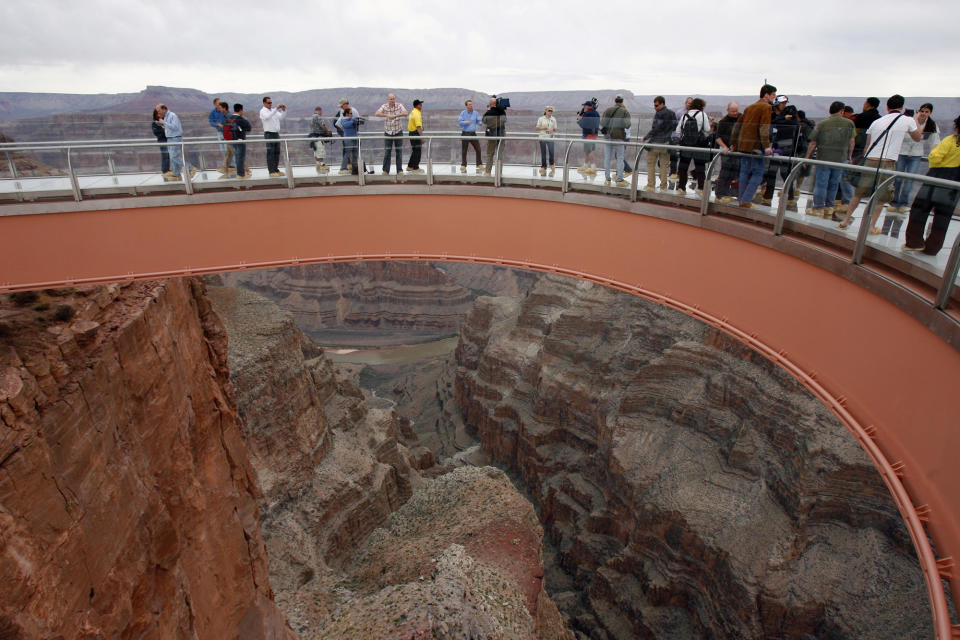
{"x": 415, "y": 130}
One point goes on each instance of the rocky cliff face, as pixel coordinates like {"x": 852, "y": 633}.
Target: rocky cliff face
{"x": 128, "y": 506}
{"x": 463, "y": 555}
{"x": 460, "y": 560}
{"x": 365, "y": 296}
{"x": 692, "y": 489}
{"x": 331, "y": 468}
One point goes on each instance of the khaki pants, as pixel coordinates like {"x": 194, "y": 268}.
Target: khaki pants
{"x": 653, "y": 156}
{"x": 491, "y": 149}
{"x": 227, "y": 157}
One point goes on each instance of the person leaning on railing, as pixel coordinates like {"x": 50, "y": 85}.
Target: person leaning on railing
{"x": 348, "y": 122}
{"x": 945, "y": 164}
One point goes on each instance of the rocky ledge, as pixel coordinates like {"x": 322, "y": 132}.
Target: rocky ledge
{"x": 691, "y": 488}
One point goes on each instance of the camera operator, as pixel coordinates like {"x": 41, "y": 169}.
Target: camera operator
{"x": 495, "y": 120}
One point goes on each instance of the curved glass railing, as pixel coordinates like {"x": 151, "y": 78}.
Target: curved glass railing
{"x": 83, "y": 169}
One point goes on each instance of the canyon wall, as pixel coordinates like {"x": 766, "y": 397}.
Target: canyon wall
{"x": 463, "y": 555}
{"x": 128, "y": 506}
{"x": 370, "y": 297}
{"x": 691, "y": 488}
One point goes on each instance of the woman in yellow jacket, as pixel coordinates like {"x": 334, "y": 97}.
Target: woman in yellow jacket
{"x": 945, "y": 164}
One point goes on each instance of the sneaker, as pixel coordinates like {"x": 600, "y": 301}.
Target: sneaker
{"x": 590, "y": 172}
{"x": 674, "y": 177}
{"x": 399, "y": 172}
{"x": 193, "y": 172}
{"x": 904, "y": 209}
{"x": 791, "y": 205}
{"x": 627, "y": 174}
{"x": 463, "y": 169}
{"x": 746, "y": 205}
{"x": 223, "y": 171}
{"x": 581, "y": 169}
{"x": 248, "y": 174}
{"x": 681, "y": 190}
{"x": 343, "y": 172}
{"x": 906, "y": 248}
{"x": 650, "y": 187}
{"x": 167, "y": 174}
{"x": 816, "y": 213}
{"x": 277, "y": 174}
{"x": 606, "y": 183}
{"x": 766, "y": 201}
{"x": 173, "y": 178}
{"x": 727, "y": 200}
{"x": 623, "y": 183}
{"x": 244, "y": 176}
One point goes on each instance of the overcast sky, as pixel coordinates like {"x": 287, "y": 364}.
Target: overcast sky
{"x": 836, "y": 47}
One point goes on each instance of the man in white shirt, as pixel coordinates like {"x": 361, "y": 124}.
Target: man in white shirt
{"x": 271, "y": 117}
{"x": 392, "y": 113}
{"x": 884, "y": 138}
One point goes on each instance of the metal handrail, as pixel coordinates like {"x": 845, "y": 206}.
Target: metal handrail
{"x": 782, "y": 204}
{"x": 949, "y": 276}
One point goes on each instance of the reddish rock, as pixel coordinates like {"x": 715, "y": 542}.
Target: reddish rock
{"x": 127, "y": 501}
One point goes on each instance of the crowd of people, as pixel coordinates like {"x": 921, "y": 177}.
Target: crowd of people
{"x": 767, "y": 135}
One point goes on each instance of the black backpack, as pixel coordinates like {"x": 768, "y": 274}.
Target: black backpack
{"x": 690, "y": 131}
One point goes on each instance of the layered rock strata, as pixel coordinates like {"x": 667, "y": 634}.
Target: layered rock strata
{"x": 128, "y": 506}
{"x": 368, "y": 296}
{"x": 331, "y": 468}
{"x": 460, "y": 560}
{"x": 692, "y": 489}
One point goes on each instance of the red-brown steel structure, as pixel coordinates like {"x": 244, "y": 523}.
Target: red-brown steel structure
{"x": 892, "y": 381}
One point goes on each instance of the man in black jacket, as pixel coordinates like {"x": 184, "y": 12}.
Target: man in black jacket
{"x": 664, "y": 124}
{"x": 730, "y": 169}
{"x": 240, "y": 148}
{"x": 495, "y": 121}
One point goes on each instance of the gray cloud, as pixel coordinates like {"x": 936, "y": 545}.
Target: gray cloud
{"x": 699, "y": 46}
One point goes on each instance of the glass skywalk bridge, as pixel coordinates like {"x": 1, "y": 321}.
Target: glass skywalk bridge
{"x": 858, "y": 322}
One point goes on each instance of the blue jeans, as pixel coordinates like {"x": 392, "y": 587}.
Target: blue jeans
{"x": 546, "y": 146}
{"x": 176, "y": 155}
{"x": 608, "y": 151}
{"x": 240, "y": 153}
{"x": 751, "y": 175}
{"x": 901, "y": 187}
{"x": 349, "y": 154}
{"x": 394, "y": 140}
{"x": 826, "y": 185}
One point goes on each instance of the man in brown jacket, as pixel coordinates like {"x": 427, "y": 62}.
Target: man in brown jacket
{"x": 751, "y": 135}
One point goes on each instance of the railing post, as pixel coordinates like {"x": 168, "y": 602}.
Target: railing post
{"x": 185, "y": 169}
{"x": 361, "y": 173}
{"x": 565, "y": 185}
{"x": 12, "y": 165}
{"x": 782, "y": 203}
{"x": 950, "y": 272}
{"x": 497, "y": 163}
{"x": 866, "y": 222}
{"x": 429, "y": 162}
{"x": 74, "y": 181}
{"x": 708, "y": 184}
{"x": 287, "y": 165}
{"x": 113, "y": 168}
{"x": 635, "y": 178}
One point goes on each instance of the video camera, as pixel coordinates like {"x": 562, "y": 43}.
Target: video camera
{"x": 502, "y": 103}
{"x": 594, "y": 102}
